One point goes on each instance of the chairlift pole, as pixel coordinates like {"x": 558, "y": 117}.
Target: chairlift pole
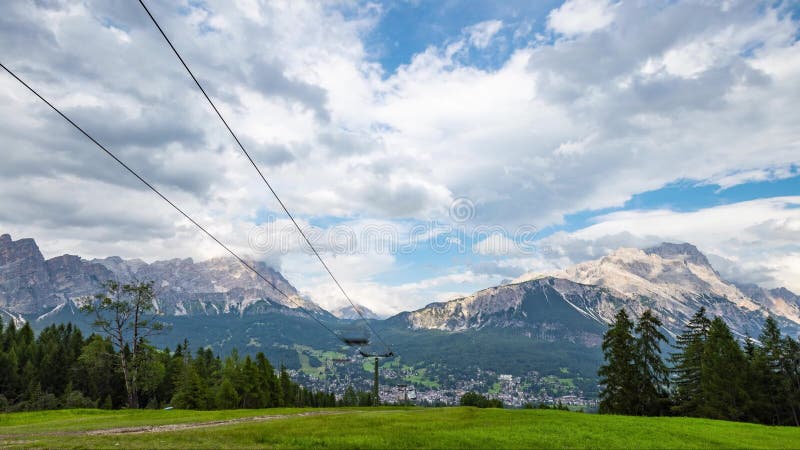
{"x": 375, "y": 384}
{"x": 362, "y": 341}
{"x": 376, "y": 399}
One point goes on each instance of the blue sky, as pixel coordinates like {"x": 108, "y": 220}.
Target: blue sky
{"x": 596, "y": 124}
{"x": 409, "y": 27}
{"x": 689, "y": 195}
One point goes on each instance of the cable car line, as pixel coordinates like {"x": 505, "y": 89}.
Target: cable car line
{"x": 174, "y": 206}
{"x": 261, "y": 174}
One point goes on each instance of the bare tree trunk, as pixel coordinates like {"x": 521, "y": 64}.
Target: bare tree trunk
{"x": 130, "y": 387}
{"x": 123, "y": 362}
{"x": 135, "y": 349}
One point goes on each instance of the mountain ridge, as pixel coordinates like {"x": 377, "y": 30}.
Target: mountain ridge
{"x": 674, "y": 280}
{"x": 33, "y": 285}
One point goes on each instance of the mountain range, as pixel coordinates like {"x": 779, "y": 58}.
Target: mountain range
{"x": 32, "y": 287}
{"x": 541, "y": 323}
{"x": 674, "y": 280}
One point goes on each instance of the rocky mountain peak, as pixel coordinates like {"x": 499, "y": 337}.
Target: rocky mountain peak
{"x": 24, "y": 279}
{"x": 674, "y": 280}
{"x": 685, "y": 251}
{"x": 670, "y": 275}
{"x": 29, "y": 284}
{"x": 784, "y": 293}
{"x": 12, "y": 251}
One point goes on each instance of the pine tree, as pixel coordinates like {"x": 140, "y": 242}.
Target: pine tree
{"x": 687, "y": 365}
{"x": 248, "y": 384}
{"x": 723, "y": 375}
{"x": 107, "y": 404}
{"x": 618, "y": 375}
{"x": 653, "y": 373}
{"x": 227, "y": 397}
{"x": 287, "y": 387}
{"x": 350, "y": 398}
{"x": 774, "y": 378}
{"x": 777, "y": 373}
{"x": 191, "y": 392}
{"x": 267, "y": 381}
{"x": 759, "y": 404}
{"x": 791, "y": 364}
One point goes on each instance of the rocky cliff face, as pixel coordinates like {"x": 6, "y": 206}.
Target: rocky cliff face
{"x": 546, "y": 309}
{"x": 33, "y": 286}
{"x": 29, "y": 284}
{"x": 674, "y": 280}
{"x": 780, "y": 301}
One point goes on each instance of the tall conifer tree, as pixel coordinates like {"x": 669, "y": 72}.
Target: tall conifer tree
{"x": 653, "y": 373}
{"x": 618, "y": 375}
{"x": 687, "y": 365}
{"x": 723, "y": 375}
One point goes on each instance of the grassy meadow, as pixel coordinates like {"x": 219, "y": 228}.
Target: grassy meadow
{"x": 378, "y": 428}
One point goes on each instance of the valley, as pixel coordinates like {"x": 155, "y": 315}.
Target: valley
{"x": 534, "y": 340}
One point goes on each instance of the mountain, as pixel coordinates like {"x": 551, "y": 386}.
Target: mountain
{"x": 347, "y": 312}
{"x": 546, "y": 308}
{"x": 780, "y": 301}
{"x": 31, "y": 284}
{"x": 33, "y": 287}
{"x": 550, "y": 326}
{"x": 675, "y": 280}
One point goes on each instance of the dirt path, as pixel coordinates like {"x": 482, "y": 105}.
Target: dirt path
{"x": 169, "y": 427}
{"x": 195, "y": 425}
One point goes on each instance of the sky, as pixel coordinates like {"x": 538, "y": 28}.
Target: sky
{"x": 430, "y": 149}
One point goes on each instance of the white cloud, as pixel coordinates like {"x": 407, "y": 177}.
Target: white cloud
{"x": 728, "y": 180}
{"x": 496, "y": 244}
{"x": 393, "y": 299}
{"x": 639, "y": 95}
{"x": 581, "y": 16}
{"x": 752, "y": 241}
{"x": 481, "y": 34}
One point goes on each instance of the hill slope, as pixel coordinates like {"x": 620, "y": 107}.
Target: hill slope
{"x": 381, "y": 428}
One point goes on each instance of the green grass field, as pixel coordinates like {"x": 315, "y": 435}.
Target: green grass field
{"x": 378, "y": 428}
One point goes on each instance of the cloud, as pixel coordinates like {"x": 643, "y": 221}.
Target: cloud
{"x": 756, "y": 175}
{"x": 580, "y": 16}
{"x": 617, "y": 99}
{"x": 481, "y": 34}
{"x": 406, "y": 296}
{"x": 502, "y": 268}
{"x": 495, "y": 244}
{"x": 753, "y": 241}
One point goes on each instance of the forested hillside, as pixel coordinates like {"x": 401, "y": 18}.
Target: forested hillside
{"x": 62, "y": 368}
